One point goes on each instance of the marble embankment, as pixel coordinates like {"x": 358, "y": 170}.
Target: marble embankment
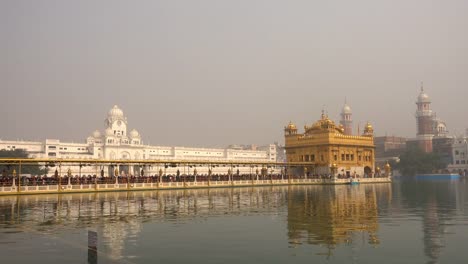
{"x": 79, "y": 188}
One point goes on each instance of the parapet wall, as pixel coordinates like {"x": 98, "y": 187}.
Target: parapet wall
{"x": 83, "y": 188}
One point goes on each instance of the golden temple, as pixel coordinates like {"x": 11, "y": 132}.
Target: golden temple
{"x": 329, "y": 150}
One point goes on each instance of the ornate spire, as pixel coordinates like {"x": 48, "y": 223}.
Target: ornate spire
{"x": 324, "y": 113}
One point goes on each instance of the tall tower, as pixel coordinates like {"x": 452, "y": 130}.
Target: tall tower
{"x": 424, "y": 121}
{"x": 346, "y": 120}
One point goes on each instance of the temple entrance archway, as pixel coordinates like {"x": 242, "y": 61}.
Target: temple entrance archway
{"x": 368, "y": 171}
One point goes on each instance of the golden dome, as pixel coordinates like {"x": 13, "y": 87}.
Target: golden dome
{"x": 291, "y": 126}
{"x": 341, "y": 128}
{"x": 368, "y": 130}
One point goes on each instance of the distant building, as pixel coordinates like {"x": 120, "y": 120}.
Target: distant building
{"x": 325, "y": 145}
{"x": 388, "y": 148}
{"x": 280, "y": 153}
{"x": 116, "y": 143}
{"x": 443, "y": 146}
{"x": 460, "y": 155}
{"x": 428, "y": 125}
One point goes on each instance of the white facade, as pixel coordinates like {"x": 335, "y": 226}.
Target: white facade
{"x": 116, "y": 143}
{"x": 460, "y": 155}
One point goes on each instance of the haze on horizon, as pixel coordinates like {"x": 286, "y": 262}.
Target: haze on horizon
{"x": 213, "y": 73}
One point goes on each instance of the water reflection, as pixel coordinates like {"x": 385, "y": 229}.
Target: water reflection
{"x": 412, "y": 217}
{"x": 119, "y": 216}
{"x": 330, "y": 215}
{"x": 438, "y": 203}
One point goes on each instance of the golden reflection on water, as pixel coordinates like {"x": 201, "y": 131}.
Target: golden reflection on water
{"x": 331, "y": 215}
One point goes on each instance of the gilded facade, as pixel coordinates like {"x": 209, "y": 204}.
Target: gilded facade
{"x": 330, "y": 150}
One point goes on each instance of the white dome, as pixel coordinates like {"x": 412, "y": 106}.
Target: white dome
{"x": 115, "y": 112}
{"x": 109, "y": 132}
{"x": 346, "y": 109}
{"x": 96, "y": 134}
{"x": 423, "y": 97}
{"x": 134, "y": 133}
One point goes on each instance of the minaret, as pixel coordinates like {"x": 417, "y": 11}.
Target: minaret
{"x": 424, "y": 121}
{"x": 346, "y": 120}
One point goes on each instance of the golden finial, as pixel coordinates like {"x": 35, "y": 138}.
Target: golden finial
{"x": 324, "y": 115}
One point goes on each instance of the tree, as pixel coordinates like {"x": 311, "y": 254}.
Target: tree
{"x": 414, "y": 161}
{"x": 30, "y": 168}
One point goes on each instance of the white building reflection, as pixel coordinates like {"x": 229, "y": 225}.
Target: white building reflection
{"x": 118, "y": 217}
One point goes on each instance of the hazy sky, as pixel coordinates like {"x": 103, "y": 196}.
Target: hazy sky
{"x": 214, "y": 72}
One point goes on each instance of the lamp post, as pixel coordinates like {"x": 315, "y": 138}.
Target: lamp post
{"x": 160, "y": 176}
{"x": 14, "y": 178}
{"x": 69, "y": 174}
{"x": 334, "y": 169}
{"x": 60, "y": 177}
{"x": 184, "y": 177}
{"x": 209, "y": 175}
{"x": 116, "y": 175}
{"x": 81, "y": 165}
{"x": 264, "y": 173}
{"x": 251, "y": 174}
{"x": 19, "y": 177}
{"x": 128, "y": 176}
{"x": 271, "y": 175}
{"x": 387, "y": 169}
{"x": 56, "y": 175}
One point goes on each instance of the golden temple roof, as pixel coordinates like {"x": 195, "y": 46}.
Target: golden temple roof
{"x": 291, "y": 126}
{"x": 322, "y": 125}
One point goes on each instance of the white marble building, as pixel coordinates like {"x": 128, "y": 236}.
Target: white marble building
{"x": 117, "y": 142}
